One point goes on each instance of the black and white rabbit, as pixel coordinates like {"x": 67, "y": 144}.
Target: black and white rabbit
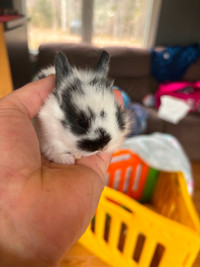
{"x": 81, "y": 116}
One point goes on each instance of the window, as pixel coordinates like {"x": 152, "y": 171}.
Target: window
{"x": 53, "y": 21}
{"x": 119, "y": 22}
{"x": 104, "y": 22}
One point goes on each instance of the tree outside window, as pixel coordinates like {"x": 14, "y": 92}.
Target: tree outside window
{"x": 104, "y": 22}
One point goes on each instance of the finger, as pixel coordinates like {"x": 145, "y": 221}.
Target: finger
{"x": 118, "y": 96}
{"x": 30, "y": 97}
{"x": 99, "y": 163}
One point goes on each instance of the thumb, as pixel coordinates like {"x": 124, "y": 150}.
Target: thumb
{"x": 30, "y": 97}
{"x": 98, "y": 163}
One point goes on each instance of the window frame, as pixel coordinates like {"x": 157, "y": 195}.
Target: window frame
{"x": 151, "y": 24}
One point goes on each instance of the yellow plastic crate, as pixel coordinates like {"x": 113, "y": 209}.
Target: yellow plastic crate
{"x": 165, "y": 233}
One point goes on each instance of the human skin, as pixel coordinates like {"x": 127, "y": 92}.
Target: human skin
{"x": 44, "y": 207}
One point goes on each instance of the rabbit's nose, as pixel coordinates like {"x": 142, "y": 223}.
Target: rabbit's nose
{"x": 97, "y": 144}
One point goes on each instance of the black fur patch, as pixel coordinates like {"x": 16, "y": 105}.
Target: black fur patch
{"x": 63, "y": 68}
{"x": 76, "y": 86}
{"x": 83, "y": 120}
{"x": 91, "y": 145}
{"x": 101, "y": 82}
{"x": 41, "y": 76}
{"x": 77, "y": 120}
{"x": 102, "y": 114}
{"x": 120, "y": 118}
{"x": 72, "y": 87}
{"x": 55, "y": 94}
{"x": 102, "y": 64}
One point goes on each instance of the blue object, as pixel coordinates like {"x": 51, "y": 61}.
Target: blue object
{"x": 171, "y": 63}
{"x": 138, "y": 119}
{"x": 137, "y": 113}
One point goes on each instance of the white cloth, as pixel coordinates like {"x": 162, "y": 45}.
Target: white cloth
{"x": 172, "y": 109}
{"x": 162, "y": 152}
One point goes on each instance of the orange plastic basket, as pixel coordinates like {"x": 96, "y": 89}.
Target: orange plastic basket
{"x": 129, "y": 174}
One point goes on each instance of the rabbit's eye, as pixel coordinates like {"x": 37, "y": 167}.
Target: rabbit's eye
{"x": 83, "y": 121}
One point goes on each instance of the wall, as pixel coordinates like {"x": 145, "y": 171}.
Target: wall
{"x": 5, "y": 3}
{"x": 19, "y": 5}
{"x": 178, "y": 23}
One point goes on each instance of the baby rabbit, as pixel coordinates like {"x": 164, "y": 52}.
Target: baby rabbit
{"x": 81, "y": 116}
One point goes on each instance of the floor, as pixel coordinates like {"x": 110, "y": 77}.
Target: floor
{"x": 78, "y": 256}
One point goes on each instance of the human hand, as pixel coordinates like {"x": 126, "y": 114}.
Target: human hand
{"x": 44, "y": 207}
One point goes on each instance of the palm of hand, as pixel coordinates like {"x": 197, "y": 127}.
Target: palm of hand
{"x": 44, "y": 207}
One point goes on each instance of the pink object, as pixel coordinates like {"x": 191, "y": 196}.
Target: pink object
{"x": 187, "y": 91}
{"x": 5, "y": 18}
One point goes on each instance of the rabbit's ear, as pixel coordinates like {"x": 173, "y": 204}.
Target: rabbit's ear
{"x": 102, "y": 64}
{"x": 63, "y": 68}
